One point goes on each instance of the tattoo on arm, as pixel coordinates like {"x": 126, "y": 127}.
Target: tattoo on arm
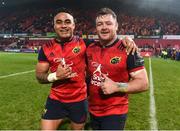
{"x": 42, "y": 78}
{"x": 42, "y": 70}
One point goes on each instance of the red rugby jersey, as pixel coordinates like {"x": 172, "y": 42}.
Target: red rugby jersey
{"x": 117, "y": 65}
{"x": 72, "y": 89}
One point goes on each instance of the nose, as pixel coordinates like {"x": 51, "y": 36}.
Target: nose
{"x": 63, "y": 24}
{"x": 104, "y": 26}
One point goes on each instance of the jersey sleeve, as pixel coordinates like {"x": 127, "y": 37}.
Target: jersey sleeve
{"x": 135, "y": 62}
{"x": 41, "y": 56}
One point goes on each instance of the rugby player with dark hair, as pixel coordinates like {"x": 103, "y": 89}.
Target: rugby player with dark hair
{"x": 62, "y": 63}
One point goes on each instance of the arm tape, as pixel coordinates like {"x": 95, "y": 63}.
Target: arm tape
{"x": 52, "y": 77}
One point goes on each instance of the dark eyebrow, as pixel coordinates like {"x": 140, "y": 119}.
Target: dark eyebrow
{"x": 59, "y": 20}
{"x": 67, "y": 20}
{"x": 99, "y": 22}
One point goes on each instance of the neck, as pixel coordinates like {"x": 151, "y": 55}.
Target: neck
{"x": 63, "y": 40}
{"x": 108, "y": 43}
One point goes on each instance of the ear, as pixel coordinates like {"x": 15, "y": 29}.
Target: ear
{"x": 53, "y": 23}
{"x": 74, "y": 26}
{"x": 116, "y": 25}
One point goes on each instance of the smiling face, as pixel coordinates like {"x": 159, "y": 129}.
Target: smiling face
{"x": 64, "y": 25}
{"x": 106, "y": 26}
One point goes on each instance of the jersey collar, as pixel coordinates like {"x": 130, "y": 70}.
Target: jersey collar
{"x": 106, "y": 46}
{"x": 62, "y": 42}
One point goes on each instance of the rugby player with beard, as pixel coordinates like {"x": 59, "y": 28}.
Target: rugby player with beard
{"x": 114, "y": 75}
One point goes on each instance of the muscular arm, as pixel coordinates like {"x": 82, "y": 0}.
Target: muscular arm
{"x": 42, "y": 72}
{"x": 61, "y": 72}
{"x": 139, "y": 83}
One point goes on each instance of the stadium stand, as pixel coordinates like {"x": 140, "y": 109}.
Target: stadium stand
{"x": 146, "y": 29}
{"x": 31, "y": 21}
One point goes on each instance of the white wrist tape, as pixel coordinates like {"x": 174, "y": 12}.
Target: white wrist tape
{"x": 52, "y": 77}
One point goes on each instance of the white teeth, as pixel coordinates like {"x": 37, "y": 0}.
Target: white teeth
{"x": 104, "y": 32}
{"x": 63, "y": 31}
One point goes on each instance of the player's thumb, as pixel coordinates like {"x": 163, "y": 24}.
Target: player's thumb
{"x": 60, "y": 66}
{"x": 105, "y": 76}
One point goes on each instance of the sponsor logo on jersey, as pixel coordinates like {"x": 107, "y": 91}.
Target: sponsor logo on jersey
{"x": 76, "y": 49}
{"x": 115, "y": 60}
{"x": 97, "y": 77}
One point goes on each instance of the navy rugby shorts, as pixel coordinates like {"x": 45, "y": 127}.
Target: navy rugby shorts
{"x": 75, "y": 111}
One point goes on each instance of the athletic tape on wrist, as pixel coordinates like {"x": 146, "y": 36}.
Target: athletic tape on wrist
{"x": 52, "y": 77}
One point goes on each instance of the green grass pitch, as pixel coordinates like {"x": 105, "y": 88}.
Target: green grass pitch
{"x": 22, "y": 98}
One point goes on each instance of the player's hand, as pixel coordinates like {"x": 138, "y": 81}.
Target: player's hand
{"x": 130, "y": 45}
{"x": 108, "y": 86}
{"x": 64, "y": 72}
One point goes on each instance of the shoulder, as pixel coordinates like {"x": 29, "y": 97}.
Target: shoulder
{"x": 135, "y": 61}
{"x": 93, "y": 44}
{"x": 48, "y": 44}
{"x": 91, "y": 48}
{"x": 78, "y": 40}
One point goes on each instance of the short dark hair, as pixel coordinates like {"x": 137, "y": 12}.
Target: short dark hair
{"x": 106, "y": 11}
{"x": 65, "y": 10}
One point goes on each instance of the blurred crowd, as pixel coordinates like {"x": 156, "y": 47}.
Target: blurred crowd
{"x": 171, "y": 53}
{"x": 33, "y": 21}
